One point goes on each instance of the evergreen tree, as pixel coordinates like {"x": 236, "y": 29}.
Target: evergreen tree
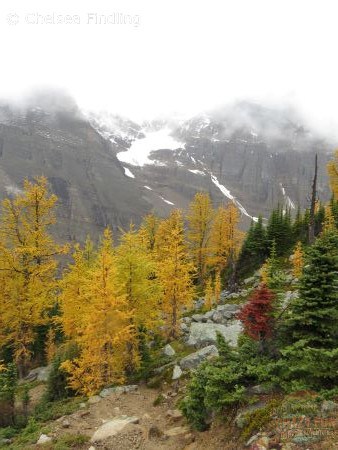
{"x": 313, "y": 317}
{"x": 254, "y": 249}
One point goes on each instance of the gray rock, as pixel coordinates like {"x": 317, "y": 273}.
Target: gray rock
{"x": 184, "y": 328}
{"x": 218, "y": 317}
{"x": 228, "y": 308}
{"x": 195, "y": 359}
{"x": 234, "y": 295}
{"x": 40, "y": 374}
{"x": 249, "y": 280}
{"x": 43, "y": 439}
{"x": 177, "y": 373}
{"x": 94, "y": 399}
{"x": 65, "y": 423}
{"x": 197, "y": 318}
{"x": 202, "y": 334}
{"x": 187, "y": 320}
{"x": 329, "y": 406}
{"x": 209, "y": 314}
{"x": 199, "y": 303}
{"x": 168, "y": 350}
{"x": 117, "y": 390}
{"x": 112, "y": 427}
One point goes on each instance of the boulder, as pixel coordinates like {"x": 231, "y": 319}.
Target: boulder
{"x": 112, "y": 427}
{"x": 43, "y": 439}
{"x": 197, "y": 317}
{"x": 184, "y": 327}
{"x": 177, "y": 373}
{"x": 39, "y": 374}
{"x": 208, "y": 315}
{"x": 187, "y": 320}
{"x": 194, "y": 359}
{"x": 229, "y": 308}
{"x": 203, "y": 334}
{"x": 118, "y": 390}
{"x": 168, "y": 350}
{"x": 199, "y": 303}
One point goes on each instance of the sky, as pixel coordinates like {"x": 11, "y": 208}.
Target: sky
{"x": 143, "y": 58}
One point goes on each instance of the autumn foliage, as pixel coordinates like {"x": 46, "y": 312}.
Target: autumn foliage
{"x": 256, "y": 315}
{"x": 111, "y": 298}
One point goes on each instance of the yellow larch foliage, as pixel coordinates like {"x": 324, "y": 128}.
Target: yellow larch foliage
{"x": 106, "y": 327}
{"x": 73, "y": 299}
{"x": 51, "y": 346}
{"x": 298, "y": 260}
{"x": 208, "y": 294}
{"x": 148, "y": 231}
{"x": 332, "y": 169}
{"x": 218, "y": 286}
{"x": 136, "y": 278}
{"x": 200, "y": 216}
{"x": 28, "y": 267}
{"x": 225, "y": 237}
{"x": 329, "y": 222}
{"x": 175, "y": 273}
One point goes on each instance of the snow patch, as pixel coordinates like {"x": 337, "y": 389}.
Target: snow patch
{"x": 196, "y": 172}
{"x": 147, "y": 187}
{"x": 140, "y": 149}
{"x": 166, "y": 201}
{"x": 288, "y": 202}
{"x": 128, "y": 173}
{"x": 228, "y": 194}
{"x": 11, "y": 189}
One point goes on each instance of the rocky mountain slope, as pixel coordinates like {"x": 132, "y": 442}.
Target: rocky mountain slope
{"x": 108, "y": 170}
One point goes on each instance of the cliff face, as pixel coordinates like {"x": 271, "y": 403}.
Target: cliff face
{"x": 82, "y": 169}
{"x": 107, "y": 170}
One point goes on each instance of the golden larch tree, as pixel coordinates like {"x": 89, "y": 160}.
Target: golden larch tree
{"x": 148, "y": 231}
{"x": 138, "y": 284}
{"x": 218, "y": 286}
{"x": 208, "y": 294}
{"x": 73, "y": 299}
{"x": 106, "y": 327}
{"x": 298, "y": 260}
{"x": 175, "y": 273}
{"x": 200, "y": 216}
{"x": 28, "y": 267}
{"x": 332, "y": 169}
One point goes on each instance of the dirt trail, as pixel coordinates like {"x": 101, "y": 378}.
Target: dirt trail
{"x": 148, "y": 434}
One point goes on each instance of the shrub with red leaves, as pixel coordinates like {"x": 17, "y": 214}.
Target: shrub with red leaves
{"x": 256, "y": 315}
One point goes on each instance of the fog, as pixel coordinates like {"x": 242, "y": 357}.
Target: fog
{"x": 148, "y": 58}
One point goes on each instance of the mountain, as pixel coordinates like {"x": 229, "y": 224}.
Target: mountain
{"x": 110, "y": 170}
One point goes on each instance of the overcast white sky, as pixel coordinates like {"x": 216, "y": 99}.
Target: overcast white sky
{"x": 183, "y": 56}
